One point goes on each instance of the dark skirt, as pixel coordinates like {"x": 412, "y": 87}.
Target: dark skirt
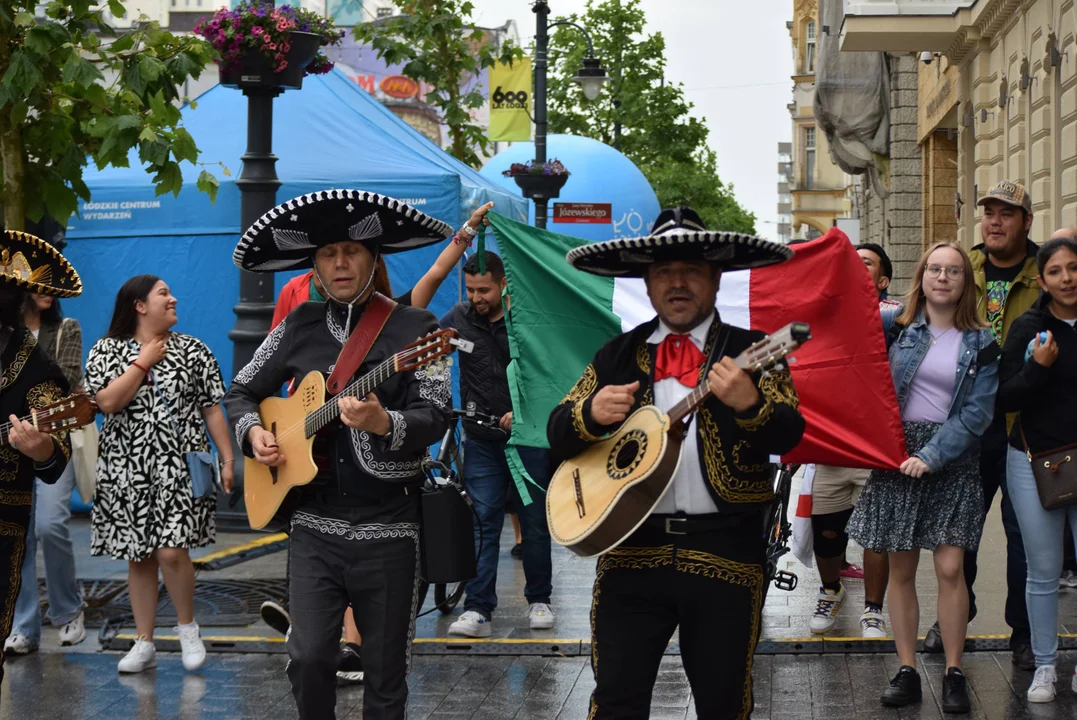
{"x": 897, "y": 512}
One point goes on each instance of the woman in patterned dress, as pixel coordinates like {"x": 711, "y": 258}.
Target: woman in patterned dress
{"x": 152, "y": 383}
{"x": 944, "y": 363}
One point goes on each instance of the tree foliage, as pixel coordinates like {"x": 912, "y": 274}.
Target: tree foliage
{"x": 657, "y": 131}
{"x": 436, "y": 44}
{"x": 72, "y": 89}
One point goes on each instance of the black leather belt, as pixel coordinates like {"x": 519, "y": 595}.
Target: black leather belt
{"x": 681, "y": 524}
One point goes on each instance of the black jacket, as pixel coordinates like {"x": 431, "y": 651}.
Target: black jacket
{"x": 734, "y": 449}
{"x": 1044, "y": 397}
{"x": 484, "y": 379}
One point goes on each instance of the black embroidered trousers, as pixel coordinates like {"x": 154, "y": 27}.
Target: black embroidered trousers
{"x": 366, "y": 558}
{"x": 711, "y": 586}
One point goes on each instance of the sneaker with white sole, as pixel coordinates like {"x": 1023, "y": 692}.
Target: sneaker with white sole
{"x": 1042, "y": 689}
{"x": 471, "y": 624}
{"x": 826, "y": 610}
{"x": 141, "y": 656}
{"x": 541, "y": 616}
{"x": 1068, "y": 579}
{"x": 276, "y": 616}
{"x": 194, "y": 651}
{"x": 350, "y": 668}
{"x": 74, "y": 632}
{"x": 19, "y": 644}
{"x": 872, "y": 623}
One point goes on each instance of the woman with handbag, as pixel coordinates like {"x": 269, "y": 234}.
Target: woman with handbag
{"x": 944, "y": 362}
{"x": 61, "y": 340}
{"x": 1041, "y": 465}
{"x": 159, "y": 391}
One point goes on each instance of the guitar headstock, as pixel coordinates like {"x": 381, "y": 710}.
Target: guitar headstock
{"x": 72, "y": 412}
{"x": 772, "y": 349}
{"x": 426, "y": 350}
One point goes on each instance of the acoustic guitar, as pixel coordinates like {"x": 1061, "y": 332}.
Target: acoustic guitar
{"x": 599, "y": 498}
{"x": 72, "y": 412}
{"x": 295, "y": 420}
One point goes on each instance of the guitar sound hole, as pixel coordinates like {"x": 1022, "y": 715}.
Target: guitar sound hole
{"x": 627, "y": 454}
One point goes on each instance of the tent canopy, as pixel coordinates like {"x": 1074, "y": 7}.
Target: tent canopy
{"x": 332, "y": 133}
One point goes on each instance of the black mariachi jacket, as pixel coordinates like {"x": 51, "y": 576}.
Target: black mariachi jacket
{"x": 734, "y": 448}
{"x": 364, "y": 466}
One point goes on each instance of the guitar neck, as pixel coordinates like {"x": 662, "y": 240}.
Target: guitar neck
{"x": 365, "y": 385}
{"x": 695, "y": 399}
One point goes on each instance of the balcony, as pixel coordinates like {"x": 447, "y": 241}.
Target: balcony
{"x": 945, "y": 26}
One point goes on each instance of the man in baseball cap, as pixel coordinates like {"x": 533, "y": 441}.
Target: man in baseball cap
{"x": 1009, "y": 193}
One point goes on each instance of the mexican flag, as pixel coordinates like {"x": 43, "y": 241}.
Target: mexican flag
{"x": 560, "y": 316}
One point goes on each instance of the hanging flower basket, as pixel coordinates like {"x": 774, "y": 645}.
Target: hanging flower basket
{"x": 539, "y": 181}
{"x": 262, "y": 46}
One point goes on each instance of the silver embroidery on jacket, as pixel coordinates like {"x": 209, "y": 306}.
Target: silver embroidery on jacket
{"x": 335, "y": 328}
{"x": 400, "y": 430}
{"x": 386, "y": 470}
{"x": 261, "y": 355}
{"x": 244, "y": 426}
{"x": 435, "y": 386}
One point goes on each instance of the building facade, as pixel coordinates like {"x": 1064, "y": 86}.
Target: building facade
{"x": 997, "y": 87}
{"x": 785, "y": 192}
{"x": 821, "y": 192}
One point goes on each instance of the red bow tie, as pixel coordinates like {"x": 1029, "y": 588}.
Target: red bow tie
{"x": 678, "y": 358}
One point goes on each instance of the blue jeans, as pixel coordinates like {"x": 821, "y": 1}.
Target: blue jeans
{"x": 488, "y": 479}
{"x": 1042, "y": 531}
{"x": 48, "y": 526}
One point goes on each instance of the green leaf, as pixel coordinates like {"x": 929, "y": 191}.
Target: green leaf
{"x": 169, "y": 178}
{"x": 126, "y": 122}
{"x": 150, "y": 68}
{"x": 19, "y": 110}
{"x": 81, "y": 72}
{"x": 208, "y": 184}
{"x": 60, "y": 200}
{"x": 116, "y": 8}
{"x": 23, "y": 73}
{"x": 24, "y": 19}
{"x": 123, "y": 43}
{"x": 183, "y": 146}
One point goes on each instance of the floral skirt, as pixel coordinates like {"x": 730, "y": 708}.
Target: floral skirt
{"x": 897, "y": 512}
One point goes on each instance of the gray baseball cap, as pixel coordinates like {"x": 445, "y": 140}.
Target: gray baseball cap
{"x": 1010, "y": 193}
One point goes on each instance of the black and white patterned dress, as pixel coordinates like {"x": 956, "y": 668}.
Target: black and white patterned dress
{"x": 143, "y": 500}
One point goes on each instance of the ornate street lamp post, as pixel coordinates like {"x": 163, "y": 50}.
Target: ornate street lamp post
{"x": 591, "y": 77}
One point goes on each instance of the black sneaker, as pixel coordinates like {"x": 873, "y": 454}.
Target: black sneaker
{"x": 955, "y": 692}
{"x": 933, "y": 640}
{"x": 350, "y": 669}
{"x": 276, "y": 616}
{"x": 1023, "y": 657}
{"x": 517, "y": 550}
{"x": 904, "y": 688}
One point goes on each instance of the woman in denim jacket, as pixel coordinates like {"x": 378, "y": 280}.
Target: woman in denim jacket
{"x": 944, "y": 362}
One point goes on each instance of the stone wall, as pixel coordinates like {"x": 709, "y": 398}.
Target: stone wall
{"x": 939, "y": 152}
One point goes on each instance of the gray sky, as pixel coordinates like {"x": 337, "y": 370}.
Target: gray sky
{"x": 734, "y": 59}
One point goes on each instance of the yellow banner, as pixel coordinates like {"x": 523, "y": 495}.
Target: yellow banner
{"x": 510, "y": 101}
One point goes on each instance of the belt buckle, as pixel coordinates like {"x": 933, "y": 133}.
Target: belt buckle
{"x": 669, "y": 528}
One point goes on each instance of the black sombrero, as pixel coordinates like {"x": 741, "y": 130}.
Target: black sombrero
{"x": 36, "y": 266}
{"x": 286, "y": 237}
{"x": 678, "y": 234}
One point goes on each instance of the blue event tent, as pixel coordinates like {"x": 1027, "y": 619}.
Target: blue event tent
{"x": 332, "y": 133}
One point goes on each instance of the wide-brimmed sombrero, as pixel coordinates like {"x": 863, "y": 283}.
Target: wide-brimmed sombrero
{"x": 678, "y": 234}
{"x": 286, "y": 237}
{"x": 32, "y": 264}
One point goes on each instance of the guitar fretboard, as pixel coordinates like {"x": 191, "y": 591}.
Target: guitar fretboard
{"x": 329, "y": 412}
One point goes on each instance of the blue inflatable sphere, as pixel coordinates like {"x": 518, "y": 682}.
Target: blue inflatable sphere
{"x": 599, "y": 174}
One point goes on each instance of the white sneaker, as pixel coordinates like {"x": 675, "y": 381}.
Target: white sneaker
{"x": 19, "y": 645}
{"x": 1042, "y": 689}
{"x": 826, "y": 610}
{"x": 872, "y": 624}
{"x": 471, "y": 624}
{"x": 1068, "y": 579}
{"x": 541, "y": 616}
{"x": 141, "y": 656}
{"x": 73, "y": 632}
{"x": 194, "y": 652}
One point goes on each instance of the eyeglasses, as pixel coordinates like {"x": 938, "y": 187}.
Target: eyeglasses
{"x": 953, "y": 271}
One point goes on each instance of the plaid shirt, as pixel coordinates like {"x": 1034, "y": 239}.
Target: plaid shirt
{"x": 69, "y": 353}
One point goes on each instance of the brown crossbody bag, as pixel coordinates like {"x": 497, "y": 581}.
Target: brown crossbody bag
{"x": 1055, "y": 472}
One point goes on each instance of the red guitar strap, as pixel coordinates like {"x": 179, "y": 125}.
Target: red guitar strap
{"x": 353, "y": 354}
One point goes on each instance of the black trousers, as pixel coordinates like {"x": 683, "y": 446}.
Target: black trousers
{"x": 711, "y": 585}
{"x": 366, "y": 558}
{"x": 14, "y": 519}
{"x": 993, "y": 445}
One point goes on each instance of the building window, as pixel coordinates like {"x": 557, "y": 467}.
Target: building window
{"x": 809, "y": 157}
{"x": 809, "y": 48}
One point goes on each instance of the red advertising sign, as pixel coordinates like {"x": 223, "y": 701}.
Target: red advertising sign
{"x": 398, "y": 86}
{"x": 598, "y": 213}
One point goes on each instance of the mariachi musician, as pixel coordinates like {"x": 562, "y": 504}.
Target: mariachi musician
{"x": 355, "y": 534}
{"x": 697, "y": 561}
{"x": 29, "y": 380}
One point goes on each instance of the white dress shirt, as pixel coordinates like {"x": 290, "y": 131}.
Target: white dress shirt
{"x": 688, "y": 492}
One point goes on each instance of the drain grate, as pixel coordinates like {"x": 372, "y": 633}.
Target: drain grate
{"x": 217, "y": 603}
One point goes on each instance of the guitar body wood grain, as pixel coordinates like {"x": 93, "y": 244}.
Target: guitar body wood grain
{"x": 600, "y": 497}
{"x": 284, "y": 417}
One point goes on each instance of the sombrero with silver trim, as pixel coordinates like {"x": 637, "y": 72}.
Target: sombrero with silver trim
{"x": 36, "y": 266}
{"x": 678, "y": 234}
{"x": 286, "y": 237}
